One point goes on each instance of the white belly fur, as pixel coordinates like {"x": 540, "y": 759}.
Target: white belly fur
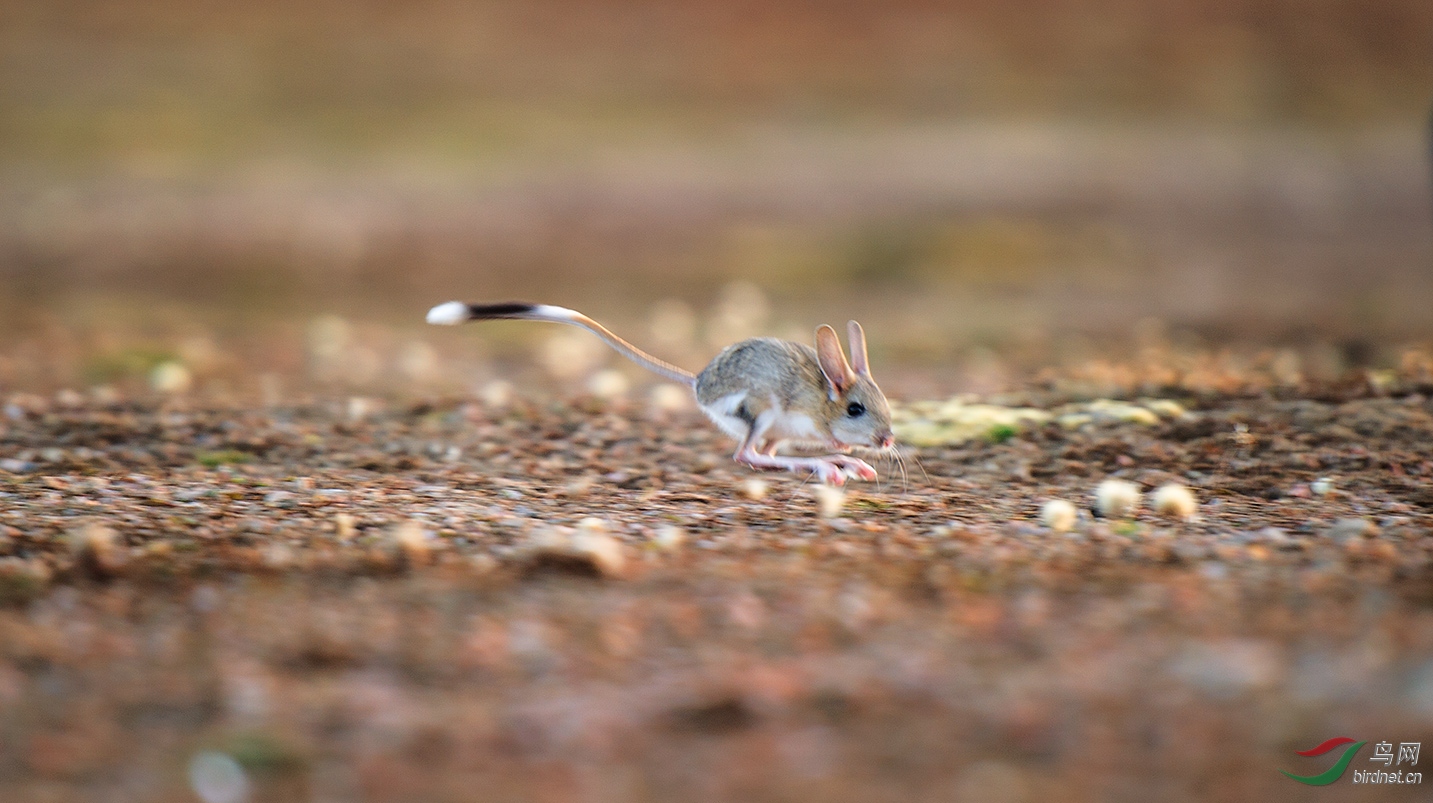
{"x": 790, "y": 426}
{"x": 774, "y": 423}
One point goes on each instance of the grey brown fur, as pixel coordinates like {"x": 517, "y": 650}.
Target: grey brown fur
{"x": 764, "y": 367}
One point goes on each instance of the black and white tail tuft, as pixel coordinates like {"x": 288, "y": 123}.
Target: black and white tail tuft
{"x": 455, "y": 312}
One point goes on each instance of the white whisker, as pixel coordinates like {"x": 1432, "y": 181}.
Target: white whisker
{"x": 916, "y": 458}
{"x": 905, "y": 477}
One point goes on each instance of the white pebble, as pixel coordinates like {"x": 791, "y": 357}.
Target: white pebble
{"x": 497, "y": 393}
{"x": 1323, "y": 486}
{"x": 1058, "y": 515}
{"x": 608, "y": 384}
{"x": 754, "y": 488}
{"x": 359, "y": 408}
{"x": 571, "y": 354}
{"x": 1117, "y": 499}
{"x": 671, "y": 398}
{"x": 171, "y": 377}
{"x": 592, "y": 524}
{"x": 669, "y": 537}
{"x": 344, "y": 526}
{"x": 217, "y": 778}
{"x": 1175, "y": 501}
{"x": 829, "y": 500}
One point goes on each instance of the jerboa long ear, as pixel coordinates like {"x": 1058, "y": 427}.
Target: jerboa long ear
{"x": 857, "y": 338}
{"x": 839, "y": 376}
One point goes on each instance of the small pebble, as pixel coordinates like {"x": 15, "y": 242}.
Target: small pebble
{"x": 568, "y": 354}
{"x": 829, "y": 500}
{"x": 497, "y": 393}
{"x": 754, "y": 488}
{"x": 579, "y": 487}
{"x": 345, "y": 527}
{"x": 593, "y": 524}
{"x": 217, "y": 778}
{"x": 669, "y": 537}
{"x": 1273, "y": 536}
{"x": 1166, "y": 408}
{"x": 1058, "y": 515}
{"x": 413, "y": 542}
{"x": 604, "y": 551}
{"x": 671, "y": 398}
{"x": 589, "y": 550}
{"x": 1117, "y": 499}
{"x": 359, "y": 408}
{"x": 98, "y": 549}
{"x": 171, "y": 377}
{"x": 1175, "y": 501}
{"x": 608, "y": 384}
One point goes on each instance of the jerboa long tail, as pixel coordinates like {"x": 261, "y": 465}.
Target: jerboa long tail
{"x": 455, "y": 312}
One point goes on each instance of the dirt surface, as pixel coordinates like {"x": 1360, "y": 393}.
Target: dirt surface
{"x": 587, "y": 600}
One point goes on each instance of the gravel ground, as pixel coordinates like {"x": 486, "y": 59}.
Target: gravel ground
{"x": 587, "y": 600}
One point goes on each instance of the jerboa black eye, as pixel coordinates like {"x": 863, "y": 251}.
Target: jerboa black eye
{"x": 855, "y": 409}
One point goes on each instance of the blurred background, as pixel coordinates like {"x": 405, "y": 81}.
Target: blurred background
{"x": 252, "y": 198}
